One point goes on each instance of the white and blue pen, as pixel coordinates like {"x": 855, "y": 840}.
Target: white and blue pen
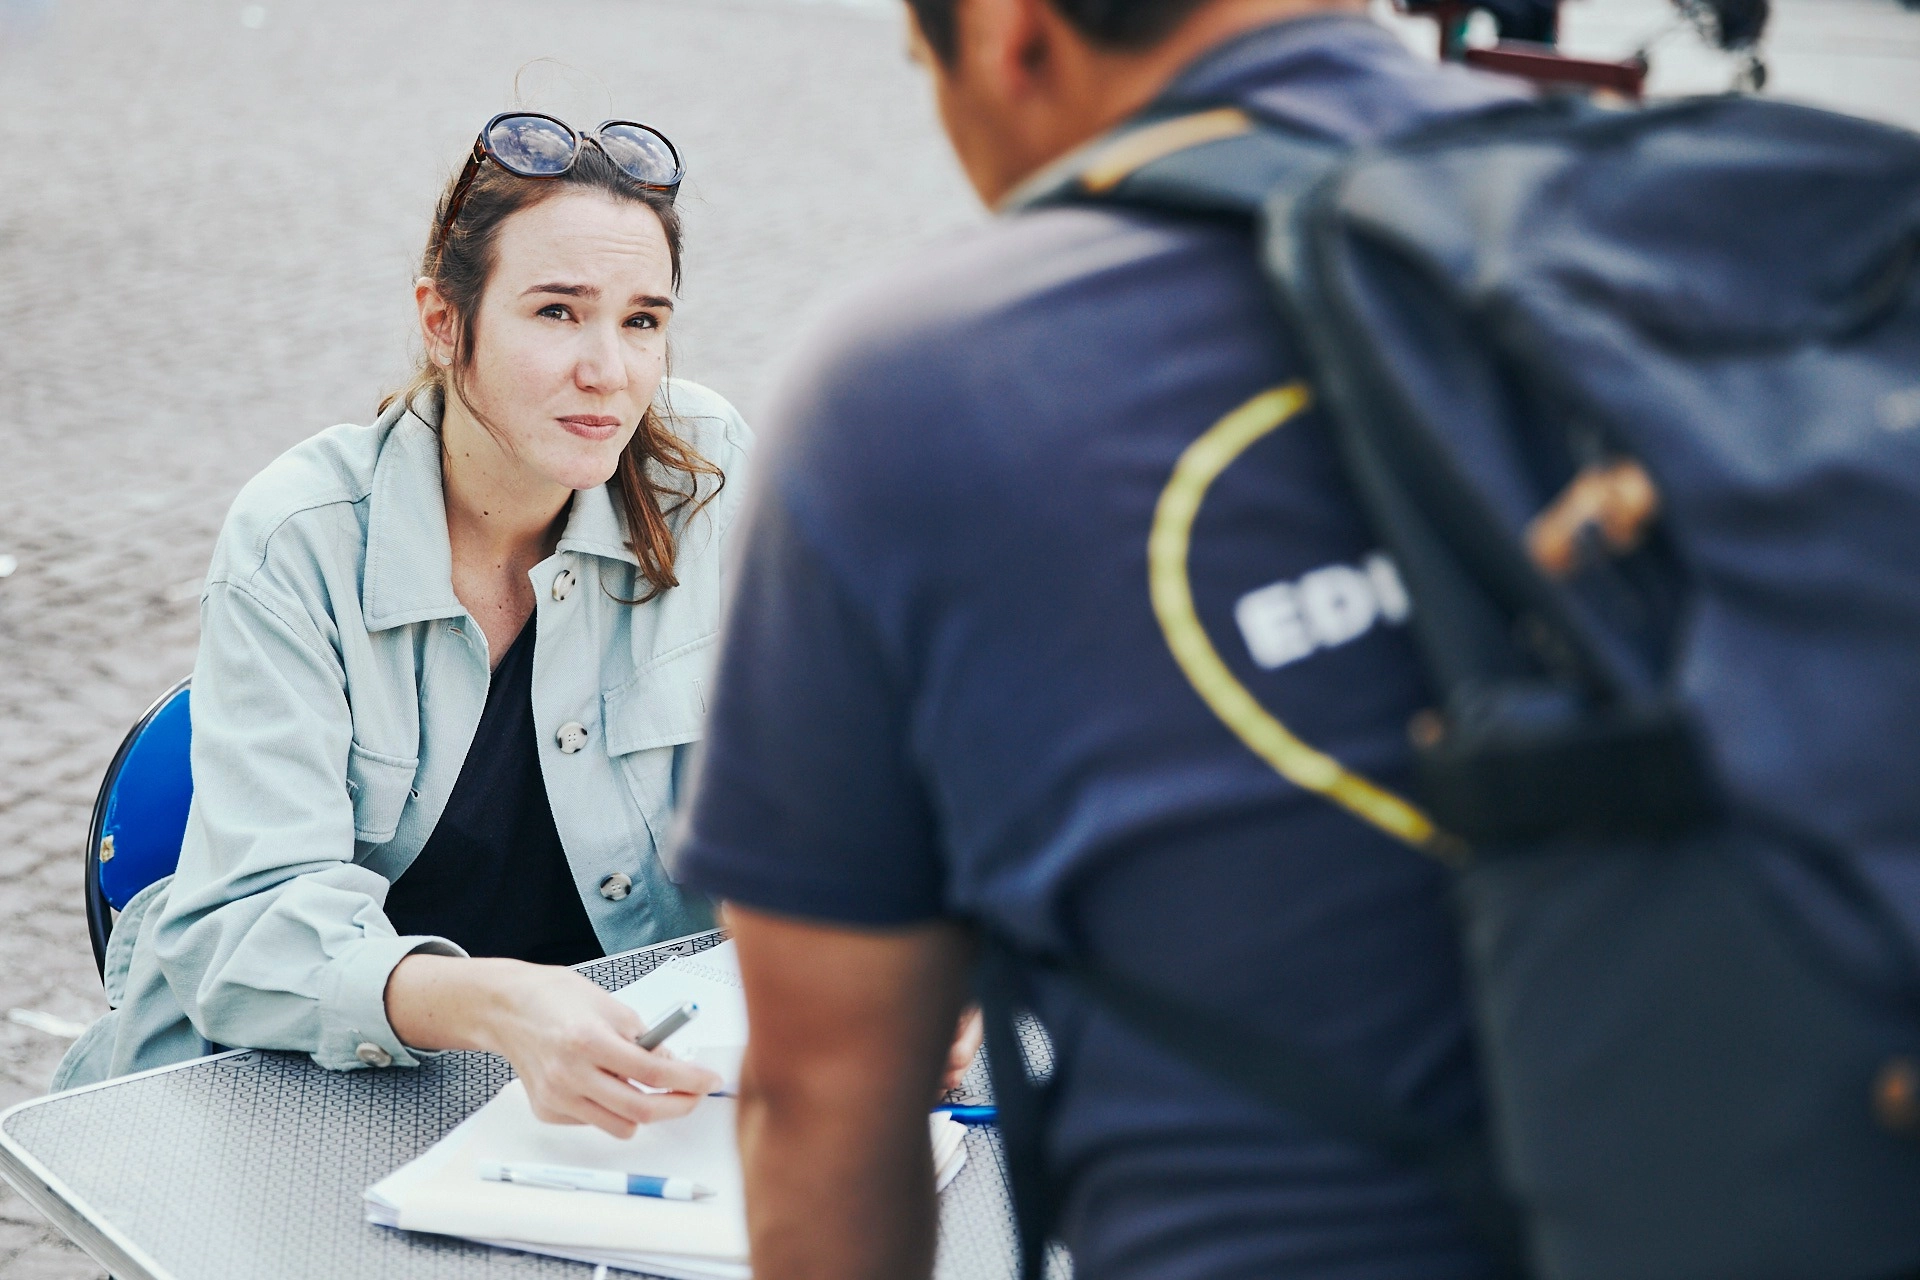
{"x": 561, "y": 1178}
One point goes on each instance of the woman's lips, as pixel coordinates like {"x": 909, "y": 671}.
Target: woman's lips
{"x": 591, "y": 426}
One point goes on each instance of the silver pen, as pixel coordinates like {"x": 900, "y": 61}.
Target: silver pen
{"x": 679, "y": 1017}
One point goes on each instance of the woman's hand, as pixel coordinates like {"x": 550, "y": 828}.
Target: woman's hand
{"x": 966, "y": 1043}
{"x": 571, "y": 1043}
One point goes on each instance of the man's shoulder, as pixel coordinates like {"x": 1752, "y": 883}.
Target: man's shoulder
{"x": 951, "y": 333}
{"x": 1014, "y": 264}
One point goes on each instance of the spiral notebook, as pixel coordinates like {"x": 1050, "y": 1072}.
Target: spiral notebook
{"x": 442, "y": 1191}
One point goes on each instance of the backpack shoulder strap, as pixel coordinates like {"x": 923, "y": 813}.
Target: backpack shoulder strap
{"x": 1193, "y": 158}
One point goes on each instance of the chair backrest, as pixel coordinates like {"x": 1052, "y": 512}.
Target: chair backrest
{"x": 140, "y": 815}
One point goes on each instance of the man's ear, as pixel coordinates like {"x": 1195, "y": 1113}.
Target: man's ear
{"x": 1034, "y": 47}
{"x": 1013, "y": 41}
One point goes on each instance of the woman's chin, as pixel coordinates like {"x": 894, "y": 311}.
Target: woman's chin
{"x": 583, "y": 479}
{"x": 579, "y": 468}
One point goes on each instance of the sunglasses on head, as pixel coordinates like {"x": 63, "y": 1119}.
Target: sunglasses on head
{"x": 530, "y": 145}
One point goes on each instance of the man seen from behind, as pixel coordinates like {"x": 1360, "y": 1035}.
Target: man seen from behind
{"x": 946, "y": 706}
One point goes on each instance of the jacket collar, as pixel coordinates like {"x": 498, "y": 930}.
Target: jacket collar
{"x": 409, "y": 566}
{"x": 595, "y": 527}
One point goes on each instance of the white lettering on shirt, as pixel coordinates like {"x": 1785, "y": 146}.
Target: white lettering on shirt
{"x": 1286, "y": 621}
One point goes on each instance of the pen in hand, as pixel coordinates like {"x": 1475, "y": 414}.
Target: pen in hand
{"x": 678, "y": 1017}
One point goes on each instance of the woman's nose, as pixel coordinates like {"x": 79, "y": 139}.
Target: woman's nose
{"x": 600, "y": 366}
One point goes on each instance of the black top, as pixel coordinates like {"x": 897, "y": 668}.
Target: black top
{"x": 493, "y": 876}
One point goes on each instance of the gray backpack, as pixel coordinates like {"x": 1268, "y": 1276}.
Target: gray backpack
{"x": 1681, "y": 786}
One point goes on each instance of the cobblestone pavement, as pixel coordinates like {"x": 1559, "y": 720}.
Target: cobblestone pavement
{"x": 208, "y": 215}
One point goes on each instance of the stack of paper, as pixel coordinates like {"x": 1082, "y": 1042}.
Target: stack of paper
{"x": 443, "y": 1192}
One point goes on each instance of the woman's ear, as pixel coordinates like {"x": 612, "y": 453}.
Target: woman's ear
{"x": 437, "y": 322}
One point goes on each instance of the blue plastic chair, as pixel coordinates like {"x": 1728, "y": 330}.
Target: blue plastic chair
{"x": 140, "y": 816}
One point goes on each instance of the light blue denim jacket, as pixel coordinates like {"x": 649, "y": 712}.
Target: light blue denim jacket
{"x": 338, "y": 687}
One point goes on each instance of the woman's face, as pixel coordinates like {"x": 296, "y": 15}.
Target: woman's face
{"x": 570, "y": 341}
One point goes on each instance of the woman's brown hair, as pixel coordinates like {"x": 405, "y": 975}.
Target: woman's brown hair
{"x": 659, "y": 472}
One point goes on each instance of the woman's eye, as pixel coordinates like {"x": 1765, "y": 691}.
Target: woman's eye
{"x": 553, "y": 311}
{"x": 645, "y": 320}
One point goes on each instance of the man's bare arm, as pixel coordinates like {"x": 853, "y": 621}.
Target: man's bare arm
{"x": 851, "y": 1031}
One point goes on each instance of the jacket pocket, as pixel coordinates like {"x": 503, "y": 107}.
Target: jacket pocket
{"x": 660, "y": 709}
{"x": 380, "y": 786}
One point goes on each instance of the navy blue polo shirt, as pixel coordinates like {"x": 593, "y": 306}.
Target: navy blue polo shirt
{"x": 944, "y": 694}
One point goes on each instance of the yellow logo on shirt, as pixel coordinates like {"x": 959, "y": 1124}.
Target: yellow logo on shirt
{"x": 1167, "y": 546}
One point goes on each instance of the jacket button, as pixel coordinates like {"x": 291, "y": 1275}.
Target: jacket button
{"x": 572, "y": 737}
{"x": 616, "y": 886}
{"x": 563, "y": 584}
{"x": 373, "y": 1055}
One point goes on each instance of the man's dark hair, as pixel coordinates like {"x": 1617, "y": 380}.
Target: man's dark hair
{"x": 1125, "y": 24}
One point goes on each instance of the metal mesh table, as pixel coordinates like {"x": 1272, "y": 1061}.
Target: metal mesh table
{"x": 253, "y": 1164}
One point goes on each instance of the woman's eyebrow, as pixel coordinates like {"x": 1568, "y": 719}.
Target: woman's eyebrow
{"x": 592, "y": 293}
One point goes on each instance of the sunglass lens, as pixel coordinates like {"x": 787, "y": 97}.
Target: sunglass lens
{"x": 531, "y": 146}
{"x": 641, "y": 154}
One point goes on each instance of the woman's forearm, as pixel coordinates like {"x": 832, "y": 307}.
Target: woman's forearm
{"x": 450, "y": 1002}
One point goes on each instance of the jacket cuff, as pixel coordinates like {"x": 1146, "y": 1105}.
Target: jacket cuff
{"x": 355, "y": 1031}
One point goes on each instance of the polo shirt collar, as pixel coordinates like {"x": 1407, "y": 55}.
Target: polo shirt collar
{"x": 409, "y": 565}
{"x": 1227, "y": 68}
{"x": 1341, "y": 76}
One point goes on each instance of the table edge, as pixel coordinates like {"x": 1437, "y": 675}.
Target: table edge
{"x": 74, "y": 1218}
{"x": 71, "y": 1215}
{"x": 652, "y": 946}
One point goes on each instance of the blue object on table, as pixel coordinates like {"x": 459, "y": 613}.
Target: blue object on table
{"x": 973, "y": 1116}
{"x": 140, "y": 815}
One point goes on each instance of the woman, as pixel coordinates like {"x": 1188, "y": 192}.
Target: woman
{"x": 450, "y": 668}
